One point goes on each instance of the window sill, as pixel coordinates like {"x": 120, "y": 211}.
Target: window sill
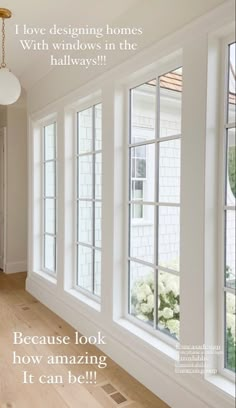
{"x": 46, "y": 276}
{"x": 169, "y": 350}
{"x": 86, "y": 300}
{"x": 222, "y": 383}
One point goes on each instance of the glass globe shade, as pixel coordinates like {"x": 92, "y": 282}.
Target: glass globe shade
{"x": 10, "y": 88}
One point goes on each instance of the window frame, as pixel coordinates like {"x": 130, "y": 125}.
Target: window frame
{"x": 44, "y": 124}
{"x": 223, "y": 207}
{"x": 171, "y": 65}
{"x": 80, "y": 107}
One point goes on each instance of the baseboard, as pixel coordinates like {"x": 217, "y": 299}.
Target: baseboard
{"x": 177, "y": 393}
{"x": 14, "y": 267}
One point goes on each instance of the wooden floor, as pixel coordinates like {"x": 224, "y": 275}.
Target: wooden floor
{"x": 19, "y": 311}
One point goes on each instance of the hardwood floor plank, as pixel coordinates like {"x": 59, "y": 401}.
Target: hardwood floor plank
{"x": 19, "y": 311}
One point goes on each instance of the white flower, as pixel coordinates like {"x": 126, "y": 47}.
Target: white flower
{"x": 167, "y": 313}
{"x": 161, "y": 288}
{"x": 147, "y": 289}
{"x": 142, "y": 317}
{"x": 143, "y": 291}
{"x": 173, "y": 326}
{"x": 176, "y": 308}
{"x": 170, "y": 283}
{"x": 150, "y": 282}
{"x": 137, "y": 307}
{"x": 141, "y": 295}
{"x": 172, "y": 286}
{"x": 231, "y": 323}
{"x": 150, "y": 300}
{"x": 146, "y": 308}
{"x": 231, "y": 304}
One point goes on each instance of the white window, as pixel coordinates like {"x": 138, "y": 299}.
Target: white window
{"x": 154, "y": 196}
{"x": 49, "y": 198}
{"x": 89, "y": 199}
{"x": 229, "y": 213}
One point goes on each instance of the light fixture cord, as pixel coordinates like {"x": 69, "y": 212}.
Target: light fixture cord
{"x": 3, "y": 64}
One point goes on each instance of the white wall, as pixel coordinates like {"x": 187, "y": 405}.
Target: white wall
{"x": 3, "y": 116}
{"x": 158, "y": 18}
{"x": 15, "y": 119}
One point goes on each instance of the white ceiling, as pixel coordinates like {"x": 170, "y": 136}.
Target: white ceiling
{"x": 44, "y": 13}
{"x": 157, "y": 17}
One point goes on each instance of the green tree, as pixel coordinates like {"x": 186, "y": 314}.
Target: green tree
{"x": 232, "y": 169}
{"x": 231, "y": 350}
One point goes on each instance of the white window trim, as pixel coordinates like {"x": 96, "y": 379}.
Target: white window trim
{"x": 37, "y": 124}
{"x": 43, "y": 198}
{"x": 93, "y": 299}
{"x": 170, "y": 65}
{"x": 222, "y": 163}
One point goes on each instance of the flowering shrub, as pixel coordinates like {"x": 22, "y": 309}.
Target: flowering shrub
{"x": 142, "y": 300}
{"x": 231, "y": 350}
{"x": 230, "y": 333}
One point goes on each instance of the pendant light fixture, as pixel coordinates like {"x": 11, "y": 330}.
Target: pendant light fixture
{"x": 10, "y": 88}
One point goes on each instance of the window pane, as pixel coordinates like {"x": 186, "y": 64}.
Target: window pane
{"x": 85, "y": 176}
{"x": 85, "y": 268}
{"x": 143, "y": 173}
{"x": 98, "y": 225}
{"x": 98, "y": 127}
{"x": 143, "y": 111}
{"x": 50, "y": 216}
{"x": 89, "y": 193}
{"x": 230, "y": 331}
{"x": 85, "y": 131}
{"x": 232, "y": 85}
{"x": 170, "y": 103}
{"x": 137, "y": 190}
{"x": 50, "y": 253}
{"x": 230, "y": 249}
{"x": 168, "y": 303}
{"x": 169, "y": 229}
{"x": 85, "y": 219}
{"x": 97, "y": 271}
{"x": 169, "y": 171}
{"x": 49, "y": 179}
{"x": 142, "y": 233}
{"x": 49, "y": 142}
{"x": 98, "y": 176}
{"x": 231, "y": 167}
{"x": 140, "y": 168}
{"x": 141, "y": 284}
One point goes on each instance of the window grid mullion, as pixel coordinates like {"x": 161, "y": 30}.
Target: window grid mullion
{"x": 226, "y": 209}
{"x": 156, "y": 198}
{"x": 230, "y": 125}
{"x": 89, "y": 200}
{"x": 229, "y": 290}
{"x": 45, "y": 198}
{"x": 137, "y": 247}
{"x": 93, "y": 151}
{"x": 152, "y": 265}
{"x": 50, "y": 161}
{"x": 161, "y": 204}
{"x": 93, "y": 200}
{"x": 158, "y": 139}
{"x": 93, "y": 203}
{"x": 50, "y": 234}
{"x": 76, "y": 211}
{"x": 94, "y": 247}
{"x": 130, "y": 198}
